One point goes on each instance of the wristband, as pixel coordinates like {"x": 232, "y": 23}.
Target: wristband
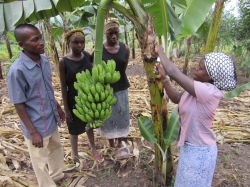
{"x": 164, "y": 80}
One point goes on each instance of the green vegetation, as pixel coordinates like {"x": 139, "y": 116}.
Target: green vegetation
{"x": 4, "y": 55}
{"x": 173, "y": 23}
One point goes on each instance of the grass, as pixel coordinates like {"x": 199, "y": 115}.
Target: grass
{"x": 108, "y": 174}
{"x": 226, "y": 157}
{"x": 143, "y": 153}
{"x": 4, "y": 55}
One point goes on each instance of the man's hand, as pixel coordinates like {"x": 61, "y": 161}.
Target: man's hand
{"x": 61, "y": 114}
{"x": 68, "y": 115}
{"x": 35, "y": 136}
{"x": 37, "y": 139}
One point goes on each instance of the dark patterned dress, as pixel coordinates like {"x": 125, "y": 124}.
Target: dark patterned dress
{"x": 117, "y": 125}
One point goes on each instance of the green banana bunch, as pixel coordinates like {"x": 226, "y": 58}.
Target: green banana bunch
{"x": 111, "y": 75}
{"x": 95, "y": 95}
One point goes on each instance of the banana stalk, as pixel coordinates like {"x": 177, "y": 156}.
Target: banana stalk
{"x": 101, "y": 13}
{"x": 52, "y": 45}
{"x": 213, "y": 31}
{"x": 8, "y": 45}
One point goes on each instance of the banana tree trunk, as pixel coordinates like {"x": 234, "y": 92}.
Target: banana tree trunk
{"x": 8, "y": 45}
{"x": 65, "y": 48}
{"x": 101, "y": 13}
{"x": 52, "y": 45}
{"x": 133, "y": 43}
{"x": 187, "y": 54}
{"x": 125, "y": 33}
{"x": 159, "y": 110}
{"x": 159, "y": 114}
{"x": 179, "y": 48}
{"x": 211, "y": 39}
{"x": 1, "y": 73}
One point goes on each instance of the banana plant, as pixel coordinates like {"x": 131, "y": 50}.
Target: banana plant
{"x": 7, "y": 41}
{"x": 51, "y": 44}
{"x": 169, "y": 25}
{"x": 171, "y": 133}
{"x": 236, "y": 92}
{"x": 211, "y": 44}
{"x": 15, "y": 12}
{"x": 213, "y": 31}
{"x": 34, "y": 10}
{"x": 151, "y": 18}
{"x": 79, "y": 18}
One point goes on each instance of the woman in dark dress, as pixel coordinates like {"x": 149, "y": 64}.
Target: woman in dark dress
{"x": 117, "y": 126}
{"x": 76, "y": 61}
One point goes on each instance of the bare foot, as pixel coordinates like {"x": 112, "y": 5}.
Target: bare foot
{"x": 111, "y": 143}
{"x": 120, "y": 145}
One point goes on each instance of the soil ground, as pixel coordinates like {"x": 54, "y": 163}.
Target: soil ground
{"x": 232, "y": 169}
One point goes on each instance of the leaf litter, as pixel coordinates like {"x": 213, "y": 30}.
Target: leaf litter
{"x": 231, "y": 125}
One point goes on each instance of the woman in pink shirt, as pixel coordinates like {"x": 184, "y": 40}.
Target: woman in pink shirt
{"x": 197, "y": 107}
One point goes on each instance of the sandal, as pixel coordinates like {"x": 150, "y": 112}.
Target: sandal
{"x": 79, "y": 162}
{"x": 99, "y": 157}
{"x": 121, "y": 153}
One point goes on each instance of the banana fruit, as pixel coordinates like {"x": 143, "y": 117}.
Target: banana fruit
{"x": 95, "y": 95}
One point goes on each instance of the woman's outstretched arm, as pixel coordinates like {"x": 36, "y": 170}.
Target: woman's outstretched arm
{"x": 174, "y": 73}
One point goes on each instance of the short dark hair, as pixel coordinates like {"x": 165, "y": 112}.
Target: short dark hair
{"x": 18, "y": 31}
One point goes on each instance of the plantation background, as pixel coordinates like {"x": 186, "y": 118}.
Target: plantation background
{"x": 231, "y": 125}
{"x": 231, "y": 122}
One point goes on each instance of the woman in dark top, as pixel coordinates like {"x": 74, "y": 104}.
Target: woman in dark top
{"x": 117, "y": 126}
{"x": 76, "y": 61}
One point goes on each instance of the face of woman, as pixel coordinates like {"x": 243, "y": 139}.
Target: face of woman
{"x": 112, "y": 35}
{"x": 200, "y": 73}
{"x": 77, "y": 44}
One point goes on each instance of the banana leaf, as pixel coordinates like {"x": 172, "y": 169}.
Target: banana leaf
{"x": 57, "y": 32}
{"x": 236, "y": 92}
{"x": 81, "y": 22}
{"x": 146, "y": 127}
{"x": 9, "y": 15}
{"x": 172, "y": 131}
{"x": 11, "y": 36}
{"x": 166, "y": 21}
{"x": 16, "y": 12}
{"x": 194, "y": 15}
{"x": 6, "y": 1}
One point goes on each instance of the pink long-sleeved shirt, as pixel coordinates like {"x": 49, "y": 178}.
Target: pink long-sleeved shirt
{"x": 197, "y": 114}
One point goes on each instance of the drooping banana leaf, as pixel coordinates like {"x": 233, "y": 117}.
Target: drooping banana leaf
{"x": 6, "y": 1}
{"x": 146, "y": 127}
{"x": 172, "y": 131}
{"x": 165, "y": 19}
{"x": 194, "y": 15}
{"x": 57, "y": 32}
{"x": 88, "y": 11}
{"x": 16, "y": 12}
{"x": 179, "y": 3}
{"x": 81, "y": 22}
{"x": 236, "y": 92}
{"x": 203, "y": 30}
{"x": 9, "y": 15}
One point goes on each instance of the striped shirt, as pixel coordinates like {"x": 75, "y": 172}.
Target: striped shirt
{"x": 31, "y": 84}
